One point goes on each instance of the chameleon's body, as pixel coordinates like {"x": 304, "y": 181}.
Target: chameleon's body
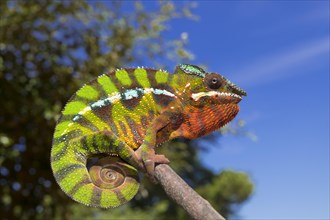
{"x": 125, "y": 114}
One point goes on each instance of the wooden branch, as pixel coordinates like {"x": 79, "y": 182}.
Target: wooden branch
{"x": 197, "y": 207}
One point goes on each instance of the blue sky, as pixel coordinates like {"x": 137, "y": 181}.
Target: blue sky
{"x": 278, "y": 51}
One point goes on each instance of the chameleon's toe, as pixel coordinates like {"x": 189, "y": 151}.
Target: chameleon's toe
{"x": 160, "y": 158}
{"x": 150, "y": 169}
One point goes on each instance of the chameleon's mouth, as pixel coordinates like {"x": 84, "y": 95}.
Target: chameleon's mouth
{"x": 226, "y": 97}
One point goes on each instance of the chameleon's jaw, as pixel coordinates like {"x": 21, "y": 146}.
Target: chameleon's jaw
{"x": 201, "y": 121}
{"x": 223, "y": 97}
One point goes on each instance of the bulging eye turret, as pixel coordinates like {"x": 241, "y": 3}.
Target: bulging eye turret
{"x": 213, "y": 81}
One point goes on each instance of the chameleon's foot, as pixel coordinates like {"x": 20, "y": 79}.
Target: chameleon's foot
{"x": 149, "y": 164}
{"x": 149, "y": 159}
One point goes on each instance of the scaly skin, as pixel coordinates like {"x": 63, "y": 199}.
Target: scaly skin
{"x": 125, "y": 114}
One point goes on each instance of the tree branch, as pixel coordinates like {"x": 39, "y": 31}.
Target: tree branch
{"x": 197, "y": 207}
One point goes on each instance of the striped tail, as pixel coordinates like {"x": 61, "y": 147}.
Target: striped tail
{"x": 110, "y": 182}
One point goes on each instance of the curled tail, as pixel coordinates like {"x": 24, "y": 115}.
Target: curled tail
{"x": 110, "y": 182}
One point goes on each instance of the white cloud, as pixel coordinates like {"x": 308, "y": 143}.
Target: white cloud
{"x": 281, "y": 65}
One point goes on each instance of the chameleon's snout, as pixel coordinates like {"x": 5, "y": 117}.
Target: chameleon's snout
{"x": 235, "y": 93}
{"x": 238, "y": 91}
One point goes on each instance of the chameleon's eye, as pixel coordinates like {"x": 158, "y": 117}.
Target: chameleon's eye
{"x": 213, "y": 81}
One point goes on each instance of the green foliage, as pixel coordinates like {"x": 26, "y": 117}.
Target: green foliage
{"x": 48, "y": 49}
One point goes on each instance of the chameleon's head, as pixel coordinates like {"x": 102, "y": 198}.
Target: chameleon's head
{"x": 209, "y": 88}
{"x": 211, "y": 99}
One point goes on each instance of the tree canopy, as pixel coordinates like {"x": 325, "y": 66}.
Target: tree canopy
{"x": 48, "y": 49}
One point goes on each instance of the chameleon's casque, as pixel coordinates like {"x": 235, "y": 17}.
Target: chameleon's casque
{"x": 123, "y": 115}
